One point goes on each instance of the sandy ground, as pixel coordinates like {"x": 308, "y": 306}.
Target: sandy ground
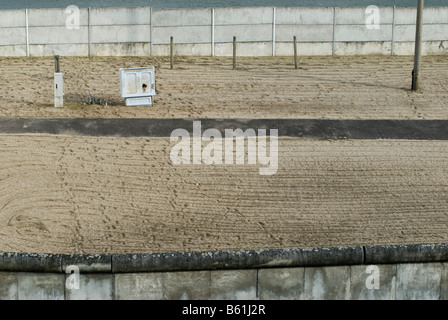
{"x": 362, "y": 87}
{"x": 63, "y": 194}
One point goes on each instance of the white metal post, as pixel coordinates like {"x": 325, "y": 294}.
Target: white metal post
{"x": 273, "y": 31}
{"x": 89, "y": 31}
{"x": 213, "y": 32}
{"x": 392, "y": 48}
{"x": 27, "y": 31}
{"x": 151, "y": 46}
{"x": 334, "y": 32}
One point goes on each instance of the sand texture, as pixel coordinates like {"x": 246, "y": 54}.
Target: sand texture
{"x": 123, "y": 195}
{"x": 359, "y": 87}
{"x": 62, "y": 194}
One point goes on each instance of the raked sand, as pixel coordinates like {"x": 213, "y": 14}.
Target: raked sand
{"x": 62, "y": 194}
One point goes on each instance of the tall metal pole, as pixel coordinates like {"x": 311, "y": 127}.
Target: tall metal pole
{"x": 418, "y": 46}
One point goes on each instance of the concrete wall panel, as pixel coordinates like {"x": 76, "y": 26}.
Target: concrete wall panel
{"x": 12, "y": 36}
{"x": 8, "y": 286}
{"x": 280, "y": 283}
{"x": 254, "y": 15}
{"x": 120, "y": 16}
{"x": 243, "y": 33}
{"x": 248, "y": 49}
{"x": 135, "y": 286}
{"x": 308, "y": 33}
{"x": 304, "y": 49}
{"x": 41, "y": 286}
{"x": 188, "y": 34}
{"x": 304, "y": 15}
{"x": 233, "y": 285}
{"x": 92, "y": 287}
{"x": 120, "y": 49}
{"x": 384, "y": 289}
{"x": 12, "y": 18}
{"x": 362, "y": 48}
{"x": 327, "y": 283}
{"x": 42, "y": 50}
{"x": 182, "y": 17}
{"x": 117, "y": 34}
{"x": 360, "y": 15}
{"x": 54, "y": 17}
{"x": 419, "y": 281}
{"x": 183, "y": 50}
{"x": 357, "y": 33}
{"x": 13, "y": 51}
{"x": 405, "y": 16}
{"x": 58, "y": 35}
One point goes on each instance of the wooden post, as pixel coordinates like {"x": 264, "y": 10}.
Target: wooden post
{"x": 57, "y": 68}
{"x": 172, "y": 53}
{"x": 295, "y": 53}
{"x": 418, "y": 47}
{"x": 234, "y": 53}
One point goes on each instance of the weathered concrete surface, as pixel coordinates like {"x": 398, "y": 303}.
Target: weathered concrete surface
{"x": 234, "y": 285}
{"x": 418, "y": 281}
{"x": 187, "y": 285}
{"x": 8, "y": 286}
{"x": 280, "y": 283}
{"x": 444, "y": 282}
{"x": 92, "y": 287}
{"x": 41, "y": 286}
{"x": 139, "y": 286}
{"x": 360, "y": 278}
{"x": 327, "y": 283}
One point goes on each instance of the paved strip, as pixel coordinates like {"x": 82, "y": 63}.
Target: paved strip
{"x": 300, "y": 128}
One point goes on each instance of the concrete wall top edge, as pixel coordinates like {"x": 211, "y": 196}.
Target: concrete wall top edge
{"x": 223, "y": 259}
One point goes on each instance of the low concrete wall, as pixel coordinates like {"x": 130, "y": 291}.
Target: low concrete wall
{"x": 404, "y": 272}
{"x": 260, "y": 31}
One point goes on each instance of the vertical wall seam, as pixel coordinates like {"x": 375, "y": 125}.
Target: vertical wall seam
{"x": 213, "y": 32}
{"x": 150, "y": 32}
{"x": 363, "y": 254}
{"x": 89, "y": 31}
{"x": 114, "y": 294}
{"x": 27, "y": 31}
{"x": 273, "y": 30}
{"x": 334, "y": 32}
{"x": 393, "y": 33}
{"x": 256, "y": 285}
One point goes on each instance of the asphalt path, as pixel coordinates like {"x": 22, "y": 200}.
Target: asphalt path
{"x": 296, "y": 128}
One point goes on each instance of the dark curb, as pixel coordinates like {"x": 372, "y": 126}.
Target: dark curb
{"x": 88, "y": 263}
{"x": 415, "y": 253}
{"x": 240, "y": 259}
{"x": 224, "y": 259}
{"x": 30, "y": 262}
